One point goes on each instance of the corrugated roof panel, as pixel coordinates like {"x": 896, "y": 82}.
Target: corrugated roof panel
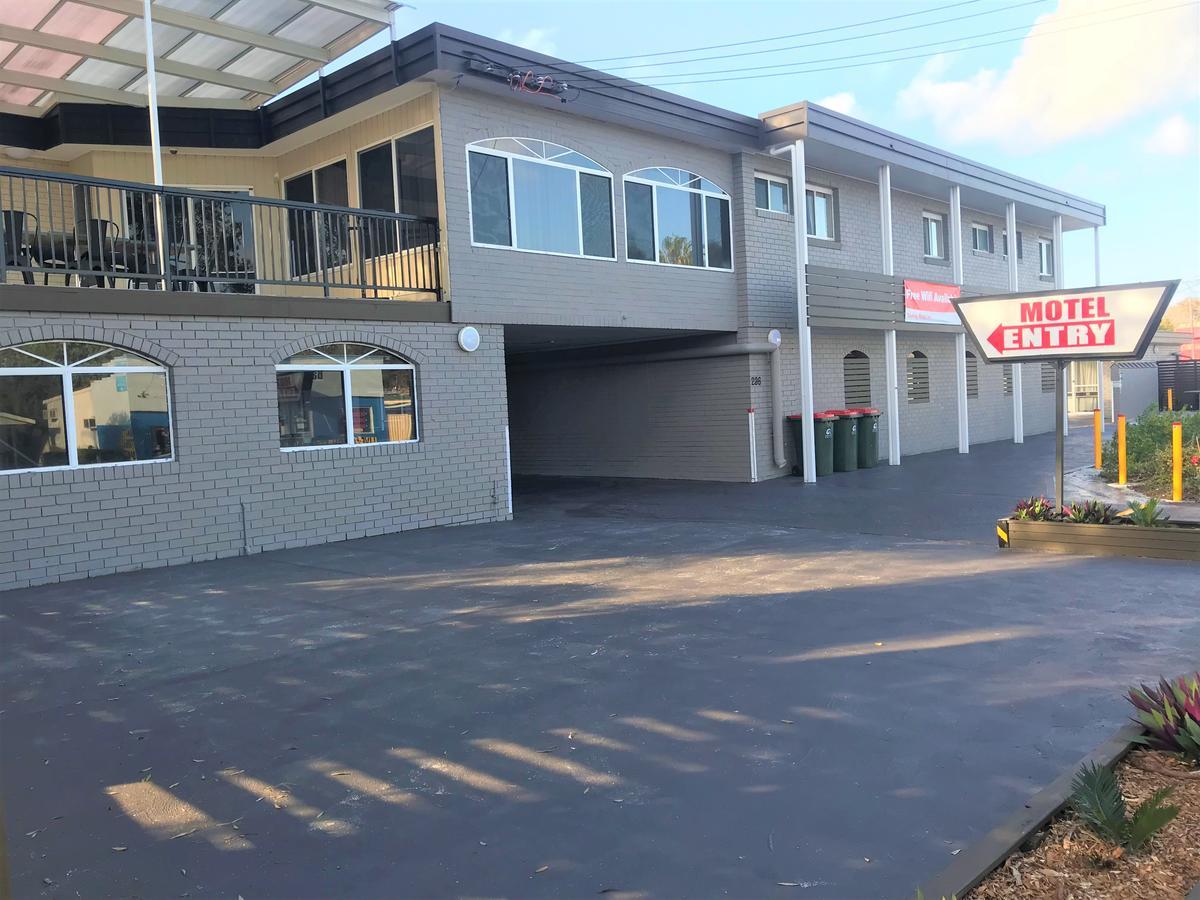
{"x": 26, "y": 14}
{"x": 36, "y": 61}
{"x": 132, "y": 36}
{"x": 168, "y": 85}
{"x": 207, "y": 8}
{"x": 20, "y": 96}
{"x": 84, "y": 23}
{"x": 104, "y": 74}
{"x": 261, "y": 15}
{"x": 319, "y": 26}
{"x": 262, "y": 63}
{"x": 206, "y": 50}
{"x": 217, "y": 92}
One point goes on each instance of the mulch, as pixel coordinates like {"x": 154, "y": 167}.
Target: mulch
{"x": 1071, "y": 863}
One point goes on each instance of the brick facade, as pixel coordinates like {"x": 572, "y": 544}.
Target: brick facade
{"x": 230, "y": 490}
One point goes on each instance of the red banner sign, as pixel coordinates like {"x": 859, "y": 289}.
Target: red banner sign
{"x": 926, "y": 301}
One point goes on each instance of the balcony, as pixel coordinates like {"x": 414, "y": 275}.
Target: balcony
{"x": 69, "y": 230}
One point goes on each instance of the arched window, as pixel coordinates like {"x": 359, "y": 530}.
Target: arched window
{"x": 972, "y": 376}
{"x": 66, "y": 404}
{"x": 323, "y": 389}
{"x": 676, "y": 218}
{"x": 534, "y": 195}
{"x": 856, "y": 378}
{"x": 917, "y": 377}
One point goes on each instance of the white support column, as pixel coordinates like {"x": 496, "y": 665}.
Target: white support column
{"x": 893, "y": 396}
{"x": 1010, "y": 220}
{"x": 956, "y": 244}
{"x": 892, "y": 400}
{"x": 960, "y": 340}
{"x": 160, "y": 218}
{"x": 1058, "y": 283}
{"x": 808, "y": 462}
{"x": 1096, "y": 281}
{"x": 885, "y": 219}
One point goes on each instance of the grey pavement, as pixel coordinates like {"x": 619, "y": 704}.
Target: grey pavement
{"x": 656, "y": 689}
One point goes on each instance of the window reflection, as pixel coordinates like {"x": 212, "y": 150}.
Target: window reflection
{"x": 312, "y": 408}
{"x": 120, "y": 417}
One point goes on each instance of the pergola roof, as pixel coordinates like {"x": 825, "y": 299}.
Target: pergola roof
{"x": 235, "y": 53}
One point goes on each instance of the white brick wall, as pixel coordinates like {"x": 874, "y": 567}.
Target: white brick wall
{"x": 60, "y": 525}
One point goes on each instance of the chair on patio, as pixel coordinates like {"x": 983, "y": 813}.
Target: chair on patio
{"x": 18, "y": 251}
{"x": 98, "y": 250}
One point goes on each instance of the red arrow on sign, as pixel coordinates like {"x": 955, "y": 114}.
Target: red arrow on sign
{"x": 1049, "y": 336}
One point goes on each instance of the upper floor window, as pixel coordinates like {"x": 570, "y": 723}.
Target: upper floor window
{"x": 65, "y": 404}
{"x": 1045, "y": 257}
{"x": 1004, "y": 241}
{"x": 771, "y": 192}
{"x": 820, "y": 205}
{"x": 317, "y": 241}
{"x": 981, "y": 237}
{"x": 535, "y": 195}
{"x": 400, "y": 175}
{"x": 933, "y": 230}
{"x": 677, "y": 218}
{"x": 323, "y": 390}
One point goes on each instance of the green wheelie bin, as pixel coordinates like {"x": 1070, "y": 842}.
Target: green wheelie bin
{"x": 868, "y": 437}
{"x": 822, "y": 438}
{"x": 845, "y": 439}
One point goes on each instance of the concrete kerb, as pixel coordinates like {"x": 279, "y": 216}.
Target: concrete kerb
{"x": 978, "y": 861}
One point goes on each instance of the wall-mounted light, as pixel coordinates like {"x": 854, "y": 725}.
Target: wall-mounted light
{"x": 468, "y": 338}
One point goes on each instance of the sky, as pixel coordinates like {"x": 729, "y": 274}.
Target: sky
{"x": 1099, "y": 98}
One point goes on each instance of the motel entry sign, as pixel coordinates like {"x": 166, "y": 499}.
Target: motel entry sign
{"x": 1111, "y": 322}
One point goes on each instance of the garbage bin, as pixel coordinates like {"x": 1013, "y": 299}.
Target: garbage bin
{"x": 845, "y": 439}
{"x": 823, "y": 440}
{"x": 868, "y": 437}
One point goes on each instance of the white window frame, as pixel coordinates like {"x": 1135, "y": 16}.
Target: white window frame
{"x": 599, "y": 172}
{"x": 721, "y": 194}
{"x": 833, "y": 213}
{"x": 1045, "y": 257}
{"x": 345, "y": 368}
{"x": 65, "y": 371}
{"x": 1004, "y": 244}
{"x": 940, "y": 219}
{"x": 978, "y": 227}
{"x": 786, "y": 183}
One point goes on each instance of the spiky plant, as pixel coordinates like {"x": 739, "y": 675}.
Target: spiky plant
{"x": 1035, "y": 509}
{"x": 1170, "y": 714}
{"x": 1090, "y": 512}
{"x": 1097, "y": 800}
{"x": 1147, "y": 514}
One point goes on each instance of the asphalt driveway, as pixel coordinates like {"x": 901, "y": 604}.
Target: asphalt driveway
{"x": 666, "y": 690}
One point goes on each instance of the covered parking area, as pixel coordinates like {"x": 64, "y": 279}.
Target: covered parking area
{"x": 633, "y": 402}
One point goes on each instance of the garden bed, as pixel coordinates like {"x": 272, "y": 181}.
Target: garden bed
{"x": 1178, "y": 541}
{"x": 1149, "y": 455}
{"x": 1070, "y": 861}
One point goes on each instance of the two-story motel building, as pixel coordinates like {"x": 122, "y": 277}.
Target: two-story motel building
{"x": 362, "y": 306}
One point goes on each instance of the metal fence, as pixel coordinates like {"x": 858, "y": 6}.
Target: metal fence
{"x": 1182, "y": 376}
{"x": 103, "y": 233}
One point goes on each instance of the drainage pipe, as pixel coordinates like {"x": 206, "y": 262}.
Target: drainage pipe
{"x": 721, "y": 350}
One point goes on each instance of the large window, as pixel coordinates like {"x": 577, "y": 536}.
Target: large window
{"x": 676, "y": 218}
{"x": 820, "y": 206}
{"x": 399, "y": 176}
{"x": 65, "y": 404}
{"x": 339, "y": 395}
{"x": 318, "y": 240}
{"x": 535, "y": 195}
{"x": 773, "y": 193}
{"x": 981, "y": 238}
{"x": 933, "y": 228}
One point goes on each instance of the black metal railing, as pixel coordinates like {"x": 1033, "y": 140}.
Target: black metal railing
{"x": 104, "y": 233}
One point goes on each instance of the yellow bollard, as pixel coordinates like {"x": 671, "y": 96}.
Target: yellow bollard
{"x": 1177, "y": 461}
{"x": 1098, "y": 437}
{"x": 1121, "y": 450}
{"x": 1170, "y": 399}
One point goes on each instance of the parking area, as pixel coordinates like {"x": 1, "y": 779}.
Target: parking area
{"x": 651, "y": 688}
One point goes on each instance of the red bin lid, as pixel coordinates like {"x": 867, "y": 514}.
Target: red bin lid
{"x": 825, "y": 415}
{"x": 846, "y": 413}
{"x": 866, "y": 410}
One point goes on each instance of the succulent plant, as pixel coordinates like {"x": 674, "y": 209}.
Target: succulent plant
{"x": 1170, "y": 714}
{"x": 1090, "y": 512}
{"x": 1035, "y": 509}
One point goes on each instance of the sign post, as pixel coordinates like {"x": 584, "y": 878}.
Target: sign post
{"x": 1108, "y": 322}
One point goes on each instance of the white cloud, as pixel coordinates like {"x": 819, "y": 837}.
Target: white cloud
{"x": 1079, "y": 82}
{"x": 1174, "y": 136}
{"x": 845, "y": 103}
{"x": 539, "y": 40}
